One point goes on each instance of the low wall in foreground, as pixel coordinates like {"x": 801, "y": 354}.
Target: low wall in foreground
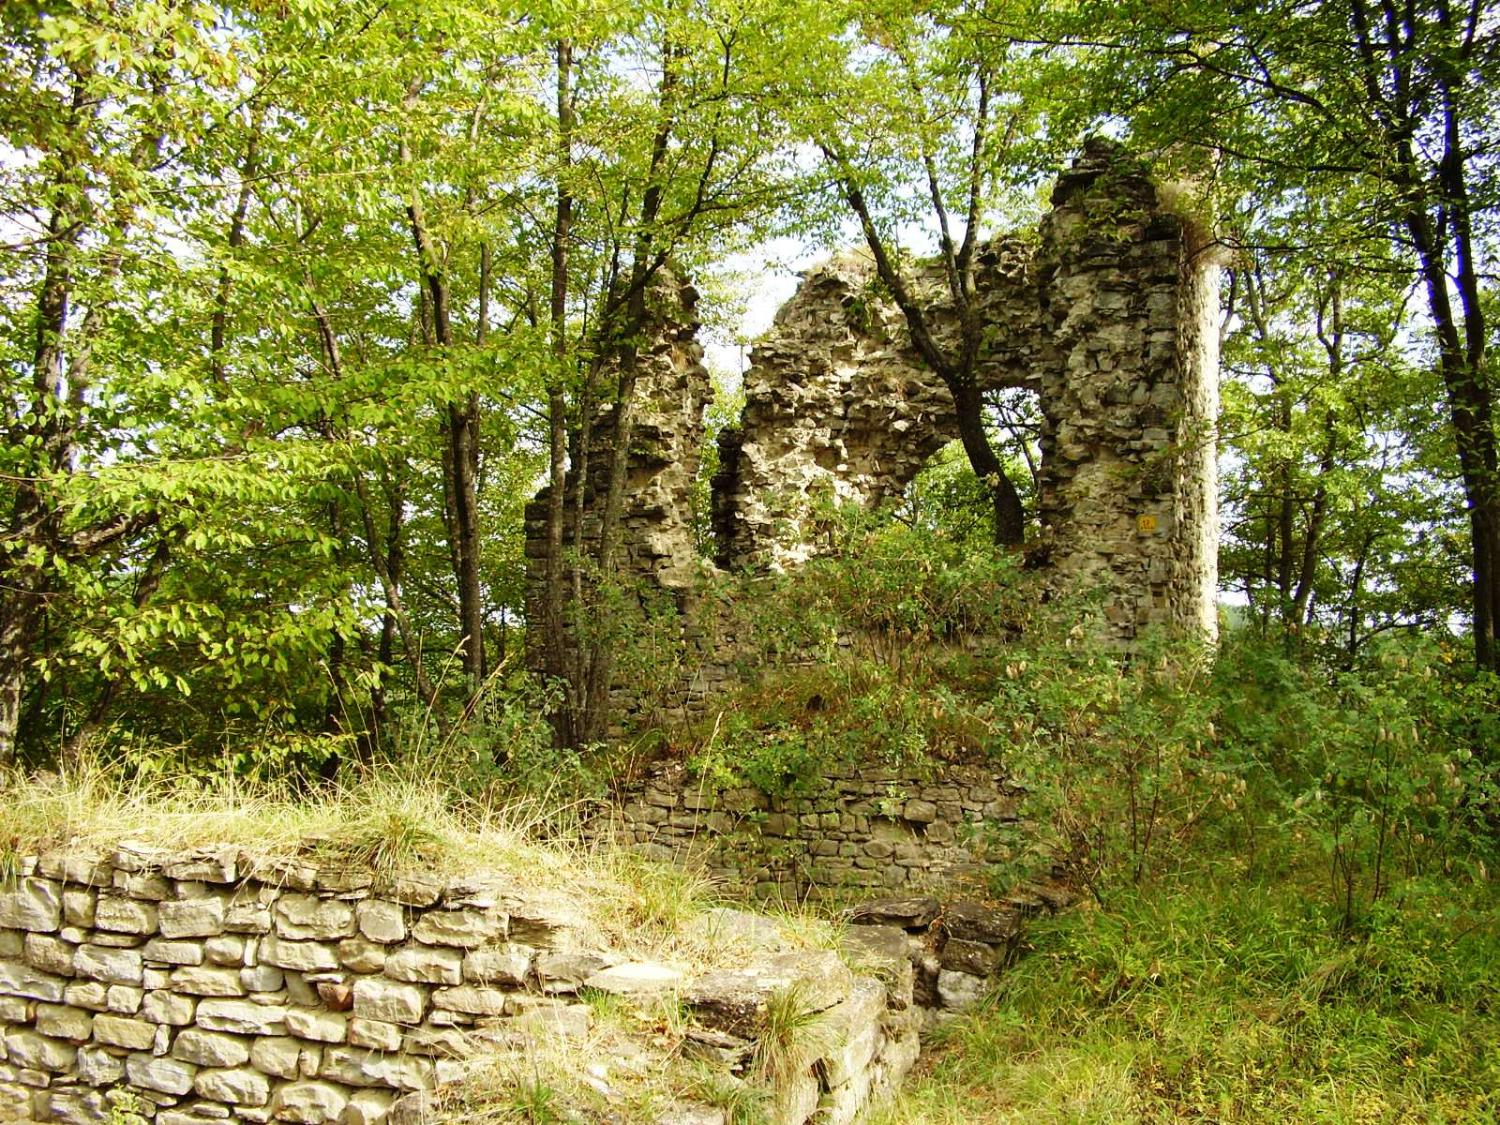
{"x": 215, "y": 985}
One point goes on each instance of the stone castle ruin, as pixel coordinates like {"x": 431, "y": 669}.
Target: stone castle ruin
{"x": 1110, "y": 316}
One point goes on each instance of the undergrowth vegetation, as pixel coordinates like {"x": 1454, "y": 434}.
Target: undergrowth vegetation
{"x": 1285, "y": 861}
{"x": 1229, "y": 994}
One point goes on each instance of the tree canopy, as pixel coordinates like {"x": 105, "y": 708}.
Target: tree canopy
{"x": 304, "y": 300}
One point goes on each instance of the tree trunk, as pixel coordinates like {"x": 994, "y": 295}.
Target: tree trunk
{"x": 1010, "y": 515}
{"x": 554, "y": 625}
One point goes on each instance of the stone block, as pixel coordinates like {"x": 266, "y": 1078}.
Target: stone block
{"x": 61, "y": 1022}
{"x": 143, "y": 885}
{"x": 381, "y": 921}
{"x": 958, "y": 990}
{"x": 467, "y": 929}
{"x": 506, "y": 964}
{"x": 976, "y": 922}
{"x": 169, "y": 952}
{"x": 204, "y": 865}
{"x": 99, "y": 1067}
{"x": 78, "y": 906}
{"x": 122, "y": 1031}
{"x": 303, "y": 956}
{"x": 243, "y": 1017}
{"x": 908, "y": 913}
{"x": 90, "y": 994}
{"x": 207, "y": 981}
{"x": 163, "y": 1074}
{"x": 308, "y": 917}
{"x": 49, "y": 954}
{"x": 123, "y": 999}
{"x": 448, "y": 1042}
{"x": 13, "y": 1009}
{"x": 337, "y": 995}
{"x": 316, "y": 1024}
{"x": 192, "y": 917}
{"x": 796, "y": 1099}
{"x": 211, "y": 1048}
{"x": 855, "y": 1029}
{"x": 367, "y": 1107}
{"x": 376, "y": 1034}
{"x": 124, "y": 915}
{"x": 415, "y": 890}
{"x": 357, "y": 1066}
{"x": 226, "y": 949}
{"x": 379, "y": 999}
{"x": 309, "y": 1103}
{"x": 113, "y": 966}
{"x": 239, "y": 1086}
{"x": 247, "y": 916}
{"x": 31, "y": 1050}
{"x": 361, "y": 955}
{"x": 262, "y": 978}
{"x": 974, "y": 957}
{"x": 470, "y": 1000}
{"x": 132, "y": 855}
{"x": 165, "y": 1007}
{"x": 636, "y": 978}
{"x": 565, "y": 972}
{"x": 23, "y": 980}
{"x": 281, "y": 1056}
{"x": 31, "y": 904}
{"x": 425, "y": 964}
{"x": 735, "y": 1000}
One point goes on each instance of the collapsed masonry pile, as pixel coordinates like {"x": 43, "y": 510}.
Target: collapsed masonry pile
{"x": 949, "y": 951}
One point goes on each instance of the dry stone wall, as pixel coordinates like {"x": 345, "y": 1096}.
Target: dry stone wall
{"x": 859, "y": 831}
{"x": 212, "y": 986}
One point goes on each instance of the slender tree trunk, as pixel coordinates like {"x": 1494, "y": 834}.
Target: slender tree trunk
{"x": 1010, "y": 514}
{"x": 643, "y": 268}
{"x": 461, "y": 455}
{"x": 463, "y": 429}
{"x": 554, "y": 624}
{"x": 218, "y": 328}
{"x": 35, "y": 522}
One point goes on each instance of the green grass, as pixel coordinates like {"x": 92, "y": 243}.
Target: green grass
{"x": 1221, "y": 999}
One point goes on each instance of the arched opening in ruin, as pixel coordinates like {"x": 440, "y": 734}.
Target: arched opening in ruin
{"x": 946, "y": 496}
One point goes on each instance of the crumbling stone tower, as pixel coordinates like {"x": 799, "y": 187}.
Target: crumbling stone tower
{"x": 1110, "y": 317}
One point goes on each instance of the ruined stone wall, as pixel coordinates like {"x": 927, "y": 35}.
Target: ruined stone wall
{"x": 1111, "y": 321}
{"x": 212, "y": 986}
{"x": 1109, "y": 317}
{"x": 1129, "y": 397}
{"x": 852, "y": 832}
{"x": 839, "y": 408}
{"x": 657, "y": 550}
